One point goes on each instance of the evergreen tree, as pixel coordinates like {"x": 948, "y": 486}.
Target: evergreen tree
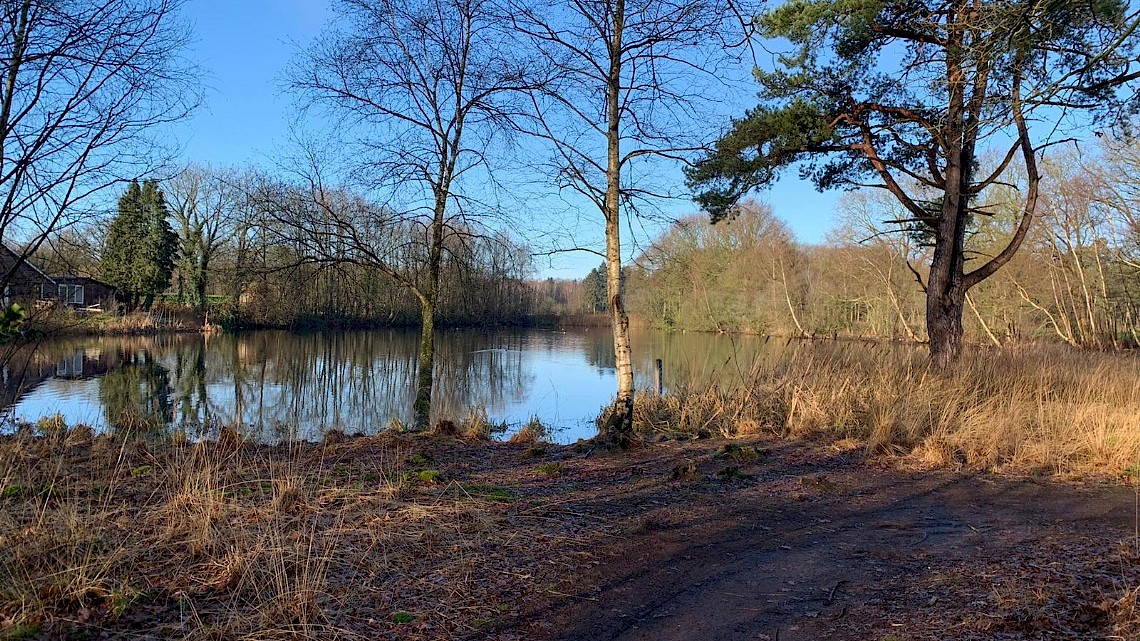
{"x": 594, "y": 291}
{"x": 124, "y": 240}
{"x": 139, "y": 255}
{"x": 160, "y": 246}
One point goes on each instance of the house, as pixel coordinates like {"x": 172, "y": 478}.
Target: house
{"x": 23, "y": 282}
{"x": 27, "y": 285}
{"x": 85, "y": 293}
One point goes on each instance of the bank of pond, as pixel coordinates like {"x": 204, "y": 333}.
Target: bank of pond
{"x": 1042, "y": 408}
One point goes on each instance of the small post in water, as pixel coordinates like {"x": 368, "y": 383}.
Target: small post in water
{"x": 657, "y": 377}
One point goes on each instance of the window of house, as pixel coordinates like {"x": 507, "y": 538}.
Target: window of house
{"x": 71, "y": 294}
{"x": 70, "y": 366}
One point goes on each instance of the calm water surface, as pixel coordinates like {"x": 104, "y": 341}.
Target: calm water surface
{"x": 280, "y": 385}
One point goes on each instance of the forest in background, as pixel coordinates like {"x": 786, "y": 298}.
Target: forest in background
{"x": 394, "y": 206}
{"x": 238, "y": 259}
{"x": 1076, "y": 280}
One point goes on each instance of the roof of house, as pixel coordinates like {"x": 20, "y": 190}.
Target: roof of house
{"x": 16, "y": 256}
{"x": 72, "y": 279}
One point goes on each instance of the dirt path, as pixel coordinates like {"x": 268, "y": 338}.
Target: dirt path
{"x": 827, "y": 547}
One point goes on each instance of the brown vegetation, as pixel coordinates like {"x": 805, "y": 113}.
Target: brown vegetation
{"x": 60, "y": 321}
{"x": 446, "y": 535}
{"x": 218, "y": 540}
{"x": 1044, "y": 408}
{"x": 429, "y": 537}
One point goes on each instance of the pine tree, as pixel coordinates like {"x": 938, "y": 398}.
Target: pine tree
{"x": 160, "y": 245}
{"x": 123, "y": 244}
{"x": 138, "y": 258}
{"x": 594, "y": 291}
{"x": 935, "y": 102}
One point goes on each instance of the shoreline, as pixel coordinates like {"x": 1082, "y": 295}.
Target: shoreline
{"x": 189, "y": 321}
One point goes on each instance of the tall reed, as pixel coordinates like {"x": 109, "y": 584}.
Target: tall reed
{"x": 1041, "y": 408}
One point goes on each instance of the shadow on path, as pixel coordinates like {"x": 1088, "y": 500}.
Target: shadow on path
{"x": 836, "y": 549}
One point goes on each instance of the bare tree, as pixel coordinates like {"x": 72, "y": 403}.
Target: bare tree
{"x": 74, "y": 250}
{"x": 427, "y": 87}
{"x": 82, "y": 85}
{"x": 630, "y": 80}
{"x": 886, "y": 259}
{"x": 1121, "y": 194}
{"x": 204, "y": 204}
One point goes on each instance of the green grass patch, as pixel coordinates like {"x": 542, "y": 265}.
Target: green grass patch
{"x": 423, "y": 477}
{"x": 489, "y": 492}
{"x": 123, "y": 599}
{"x": 20, "y": 631}
{"x": 552, "y": 468}
{"x": 400, "y": 617}
{"x": 738, "y": 453}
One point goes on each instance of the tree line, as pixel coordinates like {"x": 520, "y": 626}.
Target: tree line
{"x": 216, "y": 235}
{"x": 1075, "y": 280}
{"x": 235, "y": 243}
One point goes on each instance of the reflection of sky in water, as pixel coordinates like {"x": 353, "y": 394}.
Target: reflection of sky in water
{"x": 279, "y": 385}
{"x": 566, "y": 393}
{"x": 77, "y": 401}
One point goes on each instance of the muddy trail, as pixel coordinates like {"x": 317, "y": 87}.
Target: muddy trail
{"x": 814, "y": 543}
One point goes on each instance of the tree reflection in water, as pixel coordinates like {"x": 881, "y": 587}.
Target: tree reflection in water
{"x": 136, "y": 394}
{"x": 277, "y": 385}
{"x": 274, "y": 385}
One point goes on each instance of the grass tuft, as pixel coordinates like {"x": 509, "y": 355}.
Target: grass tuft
{"x": 553, "y": 468}
{"x": 402, "y": 617}
{"x": 533, "y": 431}
{"x": 477, "y": 426}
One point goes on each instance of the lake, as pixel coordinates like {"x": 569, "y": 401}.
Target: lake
{"x": 279, "y": 385}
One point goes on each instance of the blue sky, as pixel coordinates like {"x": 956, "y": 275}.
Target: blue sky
{"x": 244, "y": 48}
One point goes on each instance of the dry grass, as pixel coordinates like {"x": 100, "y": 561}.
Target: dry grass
{"x": 230, "y": 541}
{"x": 533, "y": 431}
{"x": 1040, "y": 409}
{"x": 64, "y": 321}
{"x": 412, "y": 537}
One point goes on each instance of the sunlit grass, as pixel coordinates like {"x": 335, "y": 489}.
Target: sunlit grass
{"x": 1039, "y": 409}
{"x": 241, "y": 539}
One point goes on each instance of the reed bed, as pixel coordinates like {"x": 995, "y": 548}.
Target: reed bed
{"x": 1041, "y": 409}
{"x": 63, "y": 321}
